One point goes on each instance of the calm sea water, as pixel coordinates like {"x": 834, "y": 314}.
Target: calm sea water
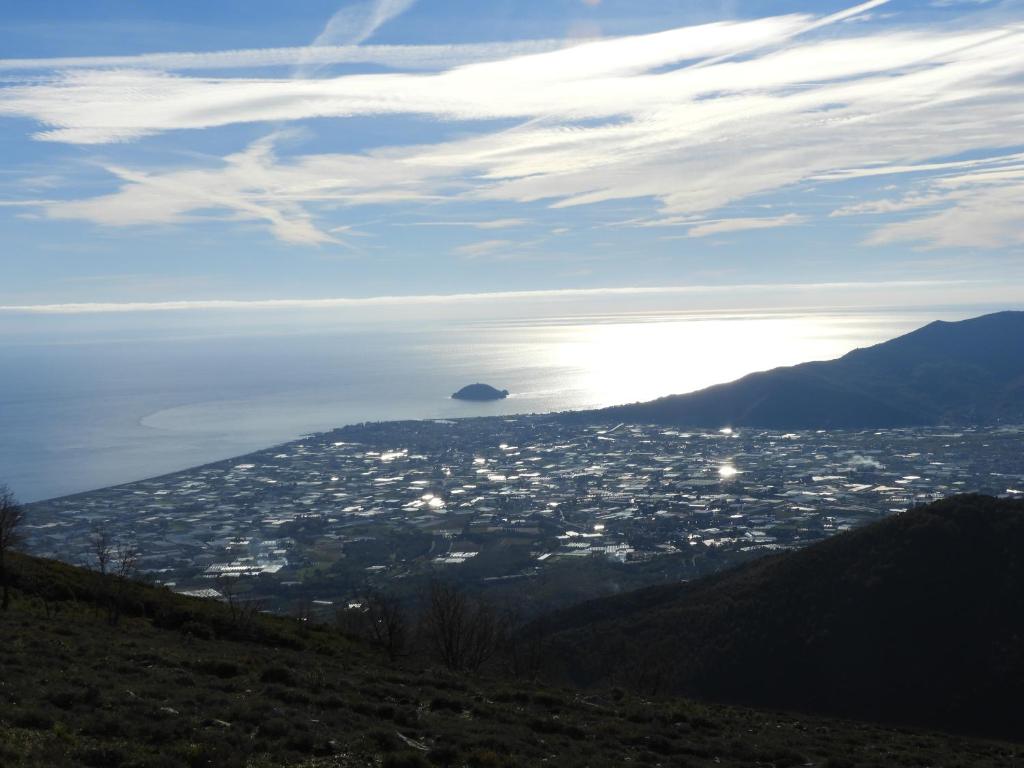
{"x": 87, "y": 411}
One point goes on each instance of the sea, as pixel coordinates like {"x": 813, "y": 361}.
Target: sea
{"x": 90, "y": 406}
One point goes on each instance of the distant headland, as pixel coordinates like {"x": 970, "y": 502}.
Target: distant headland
{"x": 480, "y": 392}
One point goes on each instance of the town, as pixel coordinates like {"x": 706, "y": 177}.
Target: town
{"x": 576, "y": 510}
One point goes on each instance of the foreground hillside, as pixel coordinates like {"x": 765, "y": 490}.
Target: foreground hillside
{"x": 968, "y": 372}
{"x": 915, "y": 619}
{"x": 182, "y": 682}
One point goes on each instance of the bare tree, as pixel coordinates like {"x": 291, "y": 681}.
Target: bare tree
{"x": 644, "y": 673}
{"x": 302, "y": 611}
{"x": 387, "y": 623}
{"x": 228, "y": 586}
{"x": 101, "y": 547}
{"x": 486, "y": 635}
{"x": 12, "y": 516}
{"x": 243, "y": 609}
{"x": 526, "y": 645}
{"x": 444, "y": 623}
{"x": 117, "y": 562}
{"x": 124, "y": 562}
{"x": 463, "y": 632}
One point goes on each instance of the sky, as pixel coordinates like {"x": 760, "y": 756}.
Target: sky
{"x": 265, "y": 155}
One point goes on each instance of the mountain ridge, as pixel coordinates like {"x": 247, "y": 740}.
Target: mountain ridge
{"x": 965, "y": 372}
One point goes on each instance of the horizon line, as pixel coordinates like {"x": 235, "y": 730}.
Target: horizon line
{"x": 438, "y": 298}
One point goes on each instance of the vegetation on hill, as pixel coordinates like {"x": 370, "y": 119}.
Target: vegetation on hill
{"x": 178, "y": 681}
{"x": 917, "y": 619}
{"x": 964, "y": 372}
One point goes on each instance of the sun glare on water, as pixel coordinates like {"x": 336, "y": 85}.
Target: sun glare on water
{"x": 616, "y": 361}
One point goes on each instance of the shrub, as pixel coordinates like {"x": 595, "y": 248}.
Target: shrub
{"x": 104, "y": 726}
{"x": 483, "y": 758}
{"x": 444, "y": 755}
{"x": 332, "y": 702}
{"x": 547, "y": 700}
{"x": 287, "y": 695}
{"x": 198, "y": 630}
{"x": 66, "y": 698}
{"x": 301, "y": 742}
{"x": 507, "y": 697}
{"x": 218, "y": 668}
{"x": 279, "y": 675}
{"x": 275, "y": 728}
{"x": 405, "y": 760}
{"x": 661, "y": 745}
{"x": 382, "y": 741}
{"x": 786, "y": 758}
{"x": 441, "y": 703}
{"x": 407, "y": 717}
{"x": 163, "y": 732}
{"x": 35, "y": 719}
{"x": 104, "y": 756}
{"x": 210, "y": 755}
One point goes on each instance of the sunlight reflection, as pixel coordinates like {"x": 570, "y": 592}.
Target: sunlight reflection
{"x": 621, "y": 362}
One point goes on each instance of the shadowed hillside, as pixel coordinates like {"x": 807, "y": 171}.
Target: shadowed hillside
{"x": 915, "y": 619}
{"x": 945, "y": 373}
{"x": 184, "y": 682}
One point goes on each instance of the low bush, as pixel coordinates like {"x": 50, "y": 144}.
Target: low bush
{"x": 35, "y": 719}
{"x": 218, "y": 668}
{"x": 405, "y": 760}
{"x": 440, "y": 703}
{"x": 279, "y": 675}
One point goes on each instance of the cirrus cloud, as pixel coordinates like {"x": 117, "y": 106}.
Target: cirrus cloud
{"x": 695, "y": 118}
{"x": 723, "y": 226}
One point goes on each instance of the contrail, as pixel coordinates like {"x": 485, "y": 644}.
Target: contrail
{"x": 354, "y": 24}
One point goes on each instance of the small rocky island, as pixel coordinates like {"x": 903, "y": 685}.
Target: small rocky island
{"x": 480, "y": 392}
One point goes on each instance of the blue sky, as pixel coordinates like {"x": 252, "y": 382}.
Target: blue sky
{"x": 253, "y": 151}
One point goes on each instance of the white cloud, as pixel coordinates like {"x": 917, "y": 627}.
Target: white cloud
{"x": 592, "y": 80}
{"x": 413, "y": 57}
{"x": 722, "y": 226}
{"x": 488, "y": 224}
{"x": 883, "y": 207}
{"x": 981, "y": 208}
{"x": 917, "y": 168}
{"x": 499, "y": 223}
{"x": 483, "y": 248}
{"x": 250, "y": 186}
{"x": 695, "y": 118}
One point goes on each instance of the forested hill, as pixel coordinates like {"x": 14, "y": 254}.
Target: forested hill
{"x": 967, "y": 372}
{"x": 916, "y": 619}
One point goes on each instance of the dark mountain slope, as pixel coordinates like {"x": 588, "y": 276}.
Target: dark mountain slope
{"x": 916, "y": 619}
{"x": 970, "y": 371}
{"x": 190, "y": 683}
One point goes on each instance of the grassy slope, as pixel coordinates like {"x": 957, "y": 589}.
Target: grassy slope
{"x": 179, "y": 682}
